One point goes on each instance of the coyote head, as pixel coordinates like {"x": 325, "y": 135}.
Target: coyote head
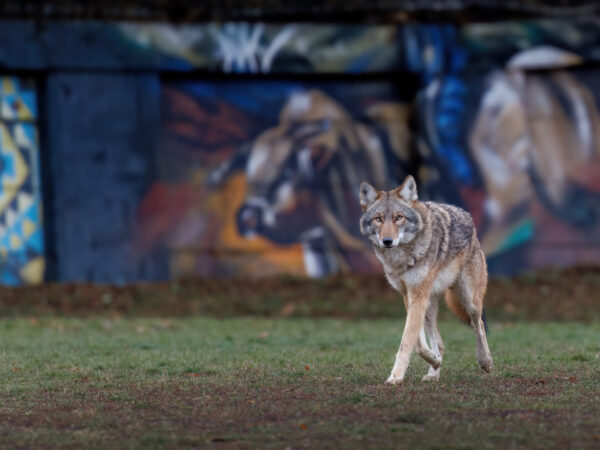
{"x": 389, "y": 217}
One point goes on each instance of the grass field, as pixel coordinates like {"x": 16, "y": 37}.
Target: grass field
{"x": 276, "y": 383}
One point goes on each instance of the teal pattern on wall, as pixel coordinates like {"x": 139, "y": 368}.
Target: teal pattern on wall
{"x": 21, "y": 231}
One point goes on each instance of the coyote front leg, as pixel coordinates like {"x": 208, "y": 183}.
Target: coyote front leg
{"x": 415, "y": 318}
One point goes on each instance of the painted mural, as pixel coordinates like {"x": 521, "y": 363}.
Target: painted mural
{"x": 260, "y": 178}
{"x": 261, "y": 48}
{"x": 424, "y": 49}
{"x": 256, "y": 176}
{"x": 21, "y": 231}
{"x": 521, "y": 151}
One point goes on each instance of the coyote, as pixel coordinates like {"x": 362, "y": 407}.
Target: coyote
{"x": 427, "y": 249}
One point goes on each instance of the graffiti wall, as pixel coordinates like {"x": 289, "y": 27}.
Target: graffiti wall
{"x": 171, "y": 172}
{"x": 262, "y": 48}
{"x": 259, "y": 178}
{"x": 524, "y": 160}
{"x": 21, "y": 231}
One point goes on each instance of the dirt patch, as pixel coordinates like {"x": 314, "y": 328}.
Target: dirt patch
{"x": 188, "y": 414}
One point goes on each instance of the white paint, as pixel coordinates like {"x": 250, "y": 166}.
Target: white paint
{"x": 501, "y": 93}
{"x": 583, "y": 117}
{"x": 543, "y": 57}
{"x": 259, "y": 157}
{"x": 245, "y": 47}
{"x": 311, "y": 262}
{"x": 299, "y": 104}
{"x": 305, "y": 162}
{"x": 493, "y": 208}
{"x": 496, "y": 167}
{"x": 284, "y": 196}
{"x": 268, "y": 215}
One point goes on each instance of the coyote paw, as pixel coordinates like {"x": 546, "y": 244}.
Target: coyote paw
{"x": 431, "y": 377}
{"x": 486, "y": 364}
{"x": 393, "y": 380}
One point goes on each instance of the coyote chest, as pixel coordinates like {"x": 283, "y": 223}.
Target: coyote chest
{"x": 401, "y": 270}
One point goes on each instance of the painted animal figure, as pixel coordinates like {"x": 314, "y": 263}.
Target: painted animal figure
{"x": 300, "y": 176}
{"x": 427, "y": 250}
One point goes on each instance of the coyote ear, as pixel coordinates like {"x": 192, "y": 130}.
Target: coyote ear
{"x": 408, "y": 190}
{"x": 368, "y": 194}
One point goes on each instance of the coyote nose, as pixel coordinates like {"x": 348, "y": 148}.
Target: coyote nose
{"x": 387, "y": 242}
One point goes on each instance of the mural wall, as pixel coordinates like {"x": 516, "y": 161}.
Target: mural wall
{"x": 21, "y": 231}
{"x": 259, "y": 178}
{"x": 263, "y": 48}
{"x": 170, "y": 172}
{"x": 527, "y": 164}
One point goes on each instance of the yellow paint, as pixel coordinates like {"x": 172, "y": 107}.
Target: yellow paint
{"x": 33, "y": 271}
{"x": 7, "y": 141}
{"x": 23, "y": 111}
{"x": 267, "y": 257}
{"x": 15, "y": 242}
{"x": 250, "y": 257}
{"x": 10, "y": 187}
{"x": 8, "y": 86}
{"x": 28, "y": 228}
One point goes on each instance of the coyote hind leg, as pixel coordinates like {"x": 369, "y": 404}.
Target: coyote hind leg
{"x": 426, "y": 353}
{"x": 470, "y": 291}
{"x": 435, "y": 339}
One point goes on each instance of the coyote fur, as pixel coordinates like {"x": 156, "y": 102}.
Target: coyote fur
{"x": 427, "y": 250}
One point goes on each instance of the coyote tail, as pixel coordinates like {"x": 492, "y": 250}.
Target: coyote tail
{"x": 456, "y": 307}
{"x": 460, "y": 312}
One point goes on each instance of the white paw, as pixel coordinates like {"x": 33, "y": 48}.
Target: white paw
{"x": 486, "y": 364}
{"x": 393, "y": 380}
{"x": 431, "y": 377}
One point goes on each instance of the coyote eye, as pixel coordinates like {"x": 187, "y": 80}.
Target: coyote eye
{"x": 397, "y": 218}
{"x": 378, "y": 219}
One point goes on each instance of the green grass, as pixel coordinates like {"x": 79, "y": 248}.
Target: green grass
{"x": 274, "y": 383}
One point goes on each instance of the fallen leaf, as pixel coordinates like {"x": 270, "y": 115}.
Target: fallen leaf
{"x": 263, "y": 335}
{"x": 540, "y": 381}
{"x": 15, "y": 369}
{"x": 306, "y": 367}
{"x": 304, "y": 427}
